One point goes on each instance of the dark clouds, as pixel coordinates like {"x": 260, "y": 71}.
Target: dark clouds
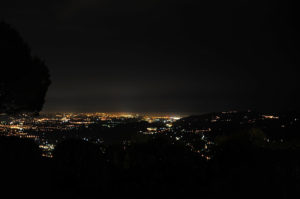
{"x": 163, "y": 55}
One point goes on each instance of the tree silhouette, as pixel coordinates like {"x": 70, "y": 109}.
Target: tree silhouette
{"x": 24, "y": 78}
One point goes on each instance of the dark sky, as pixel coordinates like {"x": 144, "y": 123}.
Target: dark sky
{"x": 163, "y": 55}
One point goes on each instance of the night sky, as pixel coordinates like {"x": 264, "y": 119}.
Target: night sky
{"x": 163, "y": 56}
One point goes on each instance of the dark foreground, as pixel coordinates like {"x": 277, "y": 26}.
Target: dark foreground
{"x": 153, "y": 168}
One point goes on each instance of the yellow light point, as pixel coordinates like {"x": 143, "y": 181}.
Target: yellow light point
{"x": 151, "y": 128}
{"x": 169, "y": 125}
{"x": 270, "y": 117}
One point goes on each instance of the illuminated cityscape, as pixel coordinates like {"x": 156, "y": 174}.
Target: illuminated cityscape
{"x": 49, "y": 129}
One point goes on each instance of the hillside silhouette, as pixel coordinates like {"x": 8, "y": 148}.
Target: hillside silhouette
{"x": 155, "y": 168}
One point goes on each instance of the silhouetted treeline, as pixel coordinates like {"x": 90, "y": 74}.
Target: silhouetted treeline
{"x": 23, "y": 171}
{"x": 240, "y": 168}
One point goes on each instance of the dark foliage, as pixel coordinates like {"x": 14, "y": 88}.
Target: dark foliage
{"x": 240, "y": 168}
{"x": 22, "y": 168}
{"x": 79, "y": 166}
{"x": 24, "y": 79}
